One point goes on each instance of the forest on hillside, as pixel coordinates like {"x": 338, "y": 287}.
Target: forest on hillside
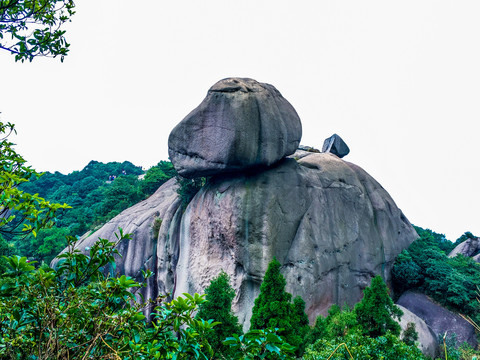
{"x": 96, "y": 194}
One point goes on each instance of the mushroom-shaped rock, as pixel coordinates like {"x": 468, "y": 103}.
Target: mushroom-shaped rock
{"x": 335, "y": 145}
{"x": 240, "y": 124}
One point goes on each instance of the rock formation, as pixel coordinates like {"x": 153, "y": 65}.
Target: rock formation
{"x": 240, "y": 124}
{"x": 330, "y": 224}
{"x": 437, "y": 318}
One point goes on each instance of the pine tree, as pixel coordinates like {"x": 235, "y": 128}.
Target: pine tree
{"x": 376, "y": 311}
{"x": 273, "y": 309}
{"x": 301, "y": 325}
{"x": 218, "y": 307}
{"x": 272, "y": 306}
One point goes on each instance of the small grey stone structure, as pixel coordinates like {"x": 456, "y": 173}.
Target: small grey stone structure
{"x": 335, "y": 145}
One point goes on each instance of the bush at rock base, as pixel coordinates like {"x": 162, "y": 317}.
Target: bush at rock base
{"x": 218, "y": 307}
{"x": 425, "y": 267}
{"x": 76, "y": 311}
{"x": 384, "y": 347}
{"x": 376, "y": 312}
{"x": 273, "y": 309}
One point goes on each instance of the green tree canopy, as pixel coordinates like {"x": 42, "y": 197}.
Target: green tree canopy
{"x": 20, "y": 212}
{"x": 376, "y": 311}
{"x": 218, "y": 307}
{"x": 156, "y": 176}
{"x": 5, "y": 250}
{"x": 30, "y": 28}
{"x": 425, "y": 266}
{"x": 273, "y": 308}
{"x": 96, "y": 193}
{"x": 383, "y": 347}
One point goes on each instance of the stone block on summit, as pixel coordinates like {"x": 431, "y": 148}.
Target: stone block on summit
{"x": 239, "y": 125}
{"x": 335, "y": 145}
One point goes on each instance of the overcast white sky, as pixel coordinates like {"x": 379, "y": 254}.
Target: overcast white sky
{"x": 399, "y": 81}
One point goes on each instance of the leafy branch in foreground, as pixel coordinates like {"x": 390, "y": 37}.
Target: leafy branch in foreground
{"x": 18, "y": 207}
{"x": 30, "y": 28}
{"x": 260, "y": 344}
{"x": 76, "y": 311}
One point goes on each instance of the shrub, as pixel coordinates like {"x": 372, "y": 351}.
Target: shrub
{"x": 78, "y": 312}
{"x": 410, "y": 335}
{"x": 260, "y": 344}
{"x": 157, "y": 223}
{"x": 383, "y": 347}
{"x": 450, "y": 281}
{"x": 188, "y": 188}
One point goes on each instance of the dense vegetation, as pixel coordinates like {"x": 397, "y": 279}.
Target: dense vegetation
{"x": 96, "y": 194}
{"x": 76, "y": 311}
{"x": 21, "y": 213}
{"x": 368, "y": 331}
{"x": 425, "y": 267}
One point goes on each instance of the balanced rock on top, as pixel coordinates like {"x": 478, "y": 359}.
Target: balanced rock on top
{"x": 240, "y": 124}
{"x": 335, "y": 145}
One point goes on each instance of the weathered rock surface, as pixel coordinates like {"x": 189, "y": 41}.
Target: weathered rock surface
{"x": 469, "y": 248}
{"x": 330, "y": 224}
{"x": 437, "y": 318}
{"x": 240, "y": 124}
{"x": 335, "y": 145}
{"x": 427, "y": 340}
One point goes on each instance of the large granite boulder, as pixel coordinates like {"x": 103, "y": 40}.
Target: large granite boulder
{"x": 240, "y": 124}
{"x": 437, "y": 318}
{"x": 330, "y": 224}
{"x": 468, "y": 248}
{"x": 427, "y": 341}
